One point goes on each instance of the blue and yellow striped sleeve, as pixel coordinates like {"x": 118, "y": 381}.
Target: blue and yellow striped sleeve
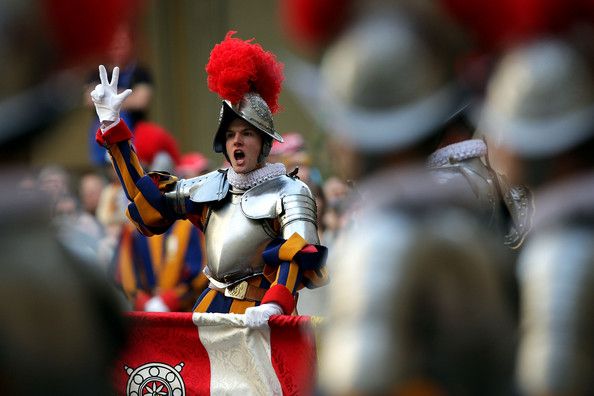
{"x": 294, "y": 264}
{"x": 148, "y": 210}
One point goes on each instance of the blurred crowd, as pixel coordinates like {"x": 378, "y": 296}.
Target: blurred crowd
{"x": 458, "y": 214}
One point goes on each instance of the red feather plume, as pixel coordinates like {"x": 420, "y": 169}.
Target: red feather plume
{"x": 236, "y": 67}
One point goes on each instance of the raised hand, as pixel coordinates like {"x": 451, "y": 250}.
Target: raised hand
{"x": 106, "y": 98}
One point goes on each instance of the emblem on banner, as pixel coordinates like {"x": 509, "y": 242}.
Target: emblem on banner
{"x": 155, "y": 379}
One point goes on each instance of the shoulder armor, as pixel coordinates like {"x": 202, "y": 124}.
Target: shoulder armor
{"x": 464, "y": 158}
{"x": 457, "y": 152}
{"x": 210, "y": 187}
{"x": 285, "y": 198}
{"x": 481, "y": 179}
{"x": 264, "y": 201}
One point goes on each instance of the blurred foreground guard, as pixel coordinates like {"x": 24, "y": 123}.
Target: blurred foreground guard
{"x": 259, "y": 222}
{"x": 61, "y": 326}
{"x": 417, "y": 302}
{"x": 539, "y": 111}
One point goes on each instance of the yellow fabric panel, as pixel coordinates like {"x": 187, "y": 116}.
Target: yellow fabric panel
{"x": 156, "y": 252}
{"x": 200, "y": 282}
{"x": 136, "y": 162}
{"x": 292, "y": 277}
{"x": 174, "y": 261}
{"x": 150, "y": 216}
{"x": 239, "y": 306}
{"x": 290, "y": 248}
{"x": 206, "y": 301}
{"x": 143, "y": 230}
{"x": 129, "y": 184}
{"x": 126, "y": 265}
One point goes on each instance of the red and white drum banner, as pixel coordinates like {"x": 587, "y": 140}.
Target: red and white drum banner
{"x": 179, "y": 354}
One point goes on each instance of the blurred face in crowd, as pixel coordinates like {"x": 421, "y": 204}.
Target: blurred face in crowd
{"x": 346, "y": 162}
{"x": 243, "y": 144}
{"x": 54, "y": 181}
{"x": 90, "y": 190}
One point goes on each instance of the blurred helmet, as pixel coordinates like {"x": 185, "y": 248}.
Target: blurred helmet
{"x": 156, "y": 148}
{"x": 388, "y": 82}
{"x": 540, "y": 100}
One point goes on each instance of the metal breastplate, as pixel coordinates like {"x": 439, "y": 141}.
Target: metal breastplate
{"x": 234, "y": 243}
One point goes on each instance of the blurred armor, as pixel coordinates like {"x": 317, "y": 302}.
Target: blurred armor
{"x": 510, "y": 207}
{"x": 539, "y": 112}
{"x": 418, "y": 280}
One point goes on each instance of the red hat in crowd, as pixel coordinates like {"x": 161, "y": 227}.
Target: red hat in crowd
{"x": 193, "y": 163}
{"x": 151, "y": 139}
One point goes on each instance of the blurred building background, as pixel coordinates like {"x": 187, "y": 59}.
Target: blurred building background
{"x": 174, "y": 40}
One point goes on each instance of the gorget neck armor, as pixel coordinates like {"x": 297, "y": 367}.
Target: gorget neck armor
{"x": 490, "y": 188}
{"x": 245, "y": 181}
{"x": 457, "y": 152}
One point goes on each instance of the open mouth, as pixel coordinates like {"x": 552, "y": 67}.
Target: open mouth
{"x": 238, "y": 155}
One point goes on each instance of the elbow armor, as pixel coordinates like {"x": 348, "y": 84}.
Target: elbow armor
{"x": 298, "y": 214}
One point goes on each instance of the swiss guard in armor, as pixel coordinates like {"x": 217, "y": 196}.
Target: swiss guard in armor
{"x": 422, "y": 273}
{"x": 539, "y": 114}
{"x": 259, "y": 222}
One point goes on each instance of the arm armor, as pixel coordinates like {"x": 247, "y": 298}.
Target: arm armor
{"x": 287, "y": 199}
{"x": 298, "y": 214}
{"x": 210, "y": 187}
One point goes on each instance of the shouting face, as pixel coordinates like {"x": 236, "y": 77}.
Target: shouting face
{"x": 243, "y": 144}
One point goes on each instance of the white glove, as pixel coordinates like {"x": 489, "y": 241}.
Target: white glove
{"x": 156, "y": 304}
{"x": 257, "y": 317}
{"x": 106, "y": 98}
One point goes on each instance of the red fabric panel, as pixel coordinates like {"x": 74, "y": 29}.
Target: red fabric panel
{"x": 168, "y": 338}
{"x": 151, "y": 138}
{"x": 294, "y": 356}
{"x": 158, "y": 342}
{"x": 282, "y": 296}
{"x": 117, "y": 134}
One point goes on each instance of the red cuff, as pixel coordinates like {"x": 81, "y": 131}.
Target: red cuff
{"x": 170, "y": 299}
{"x": 140, "y": 300}
{"x": 280, "y": 295}
{"x": 118, "y": 133}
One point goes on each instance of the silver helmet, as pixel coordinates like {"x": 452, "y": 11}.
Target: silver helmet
{"x": 540, "y": 100}
{"x": 253, "y": 109}
{"x": 388, "y": 82}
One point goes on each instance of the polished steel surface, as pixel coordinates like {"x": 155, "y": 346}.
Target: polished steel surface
{"x": 234, "y": 243}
